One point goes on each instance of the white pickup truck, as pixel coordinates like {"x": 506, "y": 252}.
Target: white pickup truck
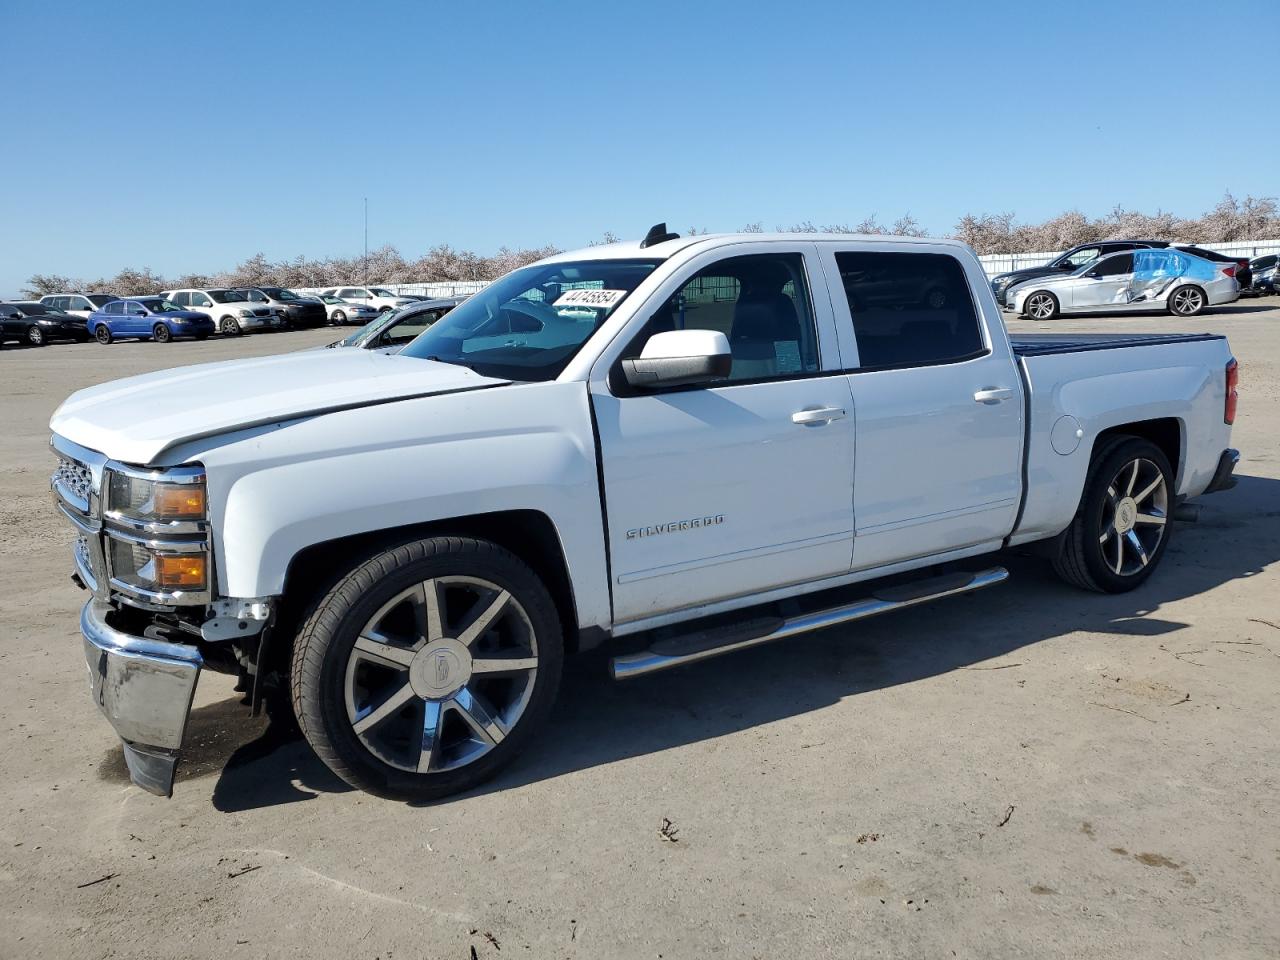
{"x": 679, "y": 447}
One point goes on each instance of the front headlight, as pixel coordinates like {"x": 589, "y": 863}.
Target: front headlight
{"x": 153, "y": 498}
{"x": 246, "y": 313}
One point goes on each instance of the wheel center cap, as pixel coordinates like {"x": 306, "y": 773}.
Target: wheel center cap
{"x": 440, "y": 669}
{"x": 1126, "y": 515}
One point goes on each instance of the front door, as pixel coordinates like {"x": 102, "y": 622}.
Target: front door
{"x": 739, "y": 486}
{"x": 1106, "y": 285}
{"x": 939, "y": 407}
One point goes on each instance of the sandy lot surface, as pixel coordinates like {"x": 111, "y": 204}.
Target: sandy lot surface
{"x": 1029, "y": 771}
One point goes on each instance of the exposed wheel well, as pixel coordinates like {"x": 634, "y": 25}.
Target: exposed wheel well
{"x": 528, "y": 534}
{"x": 1165, "y": 433}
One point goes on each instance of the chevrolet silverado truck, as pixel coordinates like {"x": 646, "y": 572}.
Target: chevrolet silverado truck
{"x": 679, "y": 448}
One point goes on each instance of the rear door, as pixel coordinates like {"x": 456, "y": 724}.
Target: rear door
{"x": 726, "y": 490}
{"x": 938, "y": 403}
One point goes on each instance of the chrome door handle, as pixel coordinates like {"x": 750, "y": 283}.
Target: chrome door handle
{"x": 992, "y": 394}
{"x": 817, "y": 415}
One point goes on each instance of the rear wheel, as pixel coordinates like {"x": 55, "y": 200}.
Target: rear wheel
{"x": 1187, "y": 301}
{"x": 229, "y": 327}
{"x": 161, "y": 334}
{"x": 1122, "y": 527}
{"x": 428, "y": 668}
{"x": 35, "y": 336}
{"x": 1041, "y": 305}
{"x": 102, "y": 333}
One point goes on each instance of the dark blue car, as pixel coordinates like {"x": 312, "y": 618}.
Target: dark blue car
{"x": 147, "y": 318}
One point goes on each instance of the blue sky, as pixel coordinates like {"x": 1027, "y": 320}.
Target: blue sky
{"x": 186, "y": 137}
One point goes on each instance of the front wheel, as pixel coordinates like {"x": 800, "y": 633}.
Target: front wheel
{"x": 338, "y": 318}
{"x": 1041, "y": 305}
{"x": 1122, "y": 527}
{"x": 229, "y": 327}
{"x": 428, "y": 668}
{"x": 161, "y": 334}
{"x": 1187, "y": 301}
{"x": 35, "y": 336}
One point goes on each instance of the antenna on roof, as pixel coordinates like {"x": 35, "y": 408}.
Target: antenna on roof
{"x": 657, "y": 234}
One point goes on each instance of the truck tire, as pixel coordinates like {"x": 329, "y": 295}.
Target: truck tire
{"x": 1187, "y": 301}
{"x": 1123, "y": 524}
{"x": 1041, "y": 305}
{"x": 428, "y": 668}
{"x": 229, "y": 327}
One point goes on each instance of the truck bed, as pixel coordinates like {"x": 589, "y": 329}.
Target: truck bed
{"x": 1044, "y": 344}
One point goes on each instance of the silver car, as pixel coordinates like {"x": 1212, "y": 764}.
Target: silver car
{"x": 1129, "y": 282}
{"x": 390, "y": 332}
{"x": 341, "y": 311}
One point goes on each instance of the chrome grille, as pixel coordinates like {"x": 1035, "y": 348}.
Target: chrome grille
{"x": 76, "y": 479}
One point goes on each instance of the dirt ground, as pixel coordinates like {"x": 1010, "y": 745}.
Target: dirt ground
{"x": 1026, "y": 772}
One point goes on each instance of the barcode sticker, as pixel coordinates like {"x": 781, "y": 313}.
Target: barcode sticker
{"x": 601, "y": 299}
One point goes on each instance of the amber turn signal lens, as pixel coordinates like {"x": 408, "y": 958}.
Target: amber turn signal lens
{"x": 175, "y": 571}
{"x": 179, "y": 500}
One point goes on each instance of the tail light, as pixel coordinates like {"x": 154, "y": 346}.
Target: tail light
{"x": 1233, "y": 394}
{"x": 1229, "y": 271}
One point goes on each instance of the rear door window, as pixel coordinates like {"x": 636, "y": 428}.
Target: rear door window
{"x": 909, "y": 309}
{"x": 1116, "y": 266}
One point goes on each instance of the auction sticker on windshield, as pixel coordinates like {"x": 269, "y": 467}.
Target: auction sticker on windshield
{"x": 600, "y": 299}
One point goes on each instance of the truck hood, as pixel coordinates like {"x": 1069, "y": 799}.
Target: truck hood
{"x": 137, "y": 419}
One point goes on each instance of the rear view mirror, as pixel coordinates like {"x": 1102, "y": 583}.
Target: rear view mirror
{"x": 680, "y": 357}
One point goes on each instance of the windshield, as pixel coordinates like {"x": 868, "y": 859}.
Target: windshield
{"x": 160, "y": 306}
{"x": 529, "y": 324}
{"x": 99, "y": 299}
{"x": 227, "y": 296}
{"x": 280, "y": 293}
{"x": 382, "y": 292}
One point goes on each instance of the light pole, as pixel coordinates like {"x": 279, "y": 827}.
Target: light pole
{"x": 366, "y": 241}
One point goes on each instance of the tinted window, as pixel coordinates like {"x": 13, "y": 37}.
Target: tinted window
{"x": 1116, "y": 266}
{"x": 350, "y": 293}
{"x": 182, "y": 299}
{"x": 909, "y": 308}
{"x": 115, "y": 308}
{"x": 100, "y": 299}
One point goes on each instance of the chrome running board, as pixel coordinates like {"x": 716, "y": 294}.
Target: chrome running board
{"x": 704, "y": 644}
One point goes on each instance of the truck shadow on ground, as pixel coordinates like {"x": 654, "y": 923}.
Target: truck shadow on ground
{"x": 598, "y": 722}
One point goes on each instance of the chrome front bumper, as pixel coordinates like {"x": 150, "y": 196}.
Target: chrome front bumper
{"x": 144, "y": 687}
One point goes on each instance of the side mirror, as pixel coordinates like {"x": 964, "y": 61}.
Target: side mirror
{"x": 680, "y": 357}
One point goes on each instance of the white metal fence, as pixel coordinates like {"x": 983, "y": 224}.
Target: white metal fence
{"x": 994, "y": 263}
{"x": 442, "y": 288}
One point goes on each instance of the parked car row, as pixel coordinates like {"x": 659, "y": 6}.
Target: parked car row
{"x": 195, "y": 313}
{"x": 1125, "y": 276}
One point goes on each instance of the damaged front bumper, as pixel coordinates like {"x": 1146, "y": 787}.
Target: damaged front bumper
{"x": 144, "y": 687}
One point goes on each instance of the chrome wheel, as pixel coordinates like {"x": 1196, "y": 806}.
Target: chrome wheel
{"x": 1041, "y": 306}
{"x": 441, "y": 674}
{"x": 339, "y": 318}
{"x": 1134, "y": 515}
{"x": 35, "y": 336}
{"x": 230, "y": 327}
{"x": 1188, "y": 301}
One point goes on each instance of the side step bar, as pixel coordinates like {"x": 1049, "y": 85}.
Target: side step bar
{"x": 704, "y": 644}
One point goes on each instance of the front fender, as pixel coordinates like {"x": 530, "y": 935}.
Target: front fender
{"x": 275, "y": 491}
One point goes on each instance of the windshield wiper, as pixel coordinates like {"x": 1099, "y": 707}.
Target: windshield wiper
{"x": 456, "y": 363}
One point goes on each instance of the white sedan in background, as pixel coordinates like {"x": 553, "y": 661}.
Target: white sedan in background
{"x": 380, "y": 298}
{"x": 1128, "y": 282}
{"x": 340, "y": 311}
